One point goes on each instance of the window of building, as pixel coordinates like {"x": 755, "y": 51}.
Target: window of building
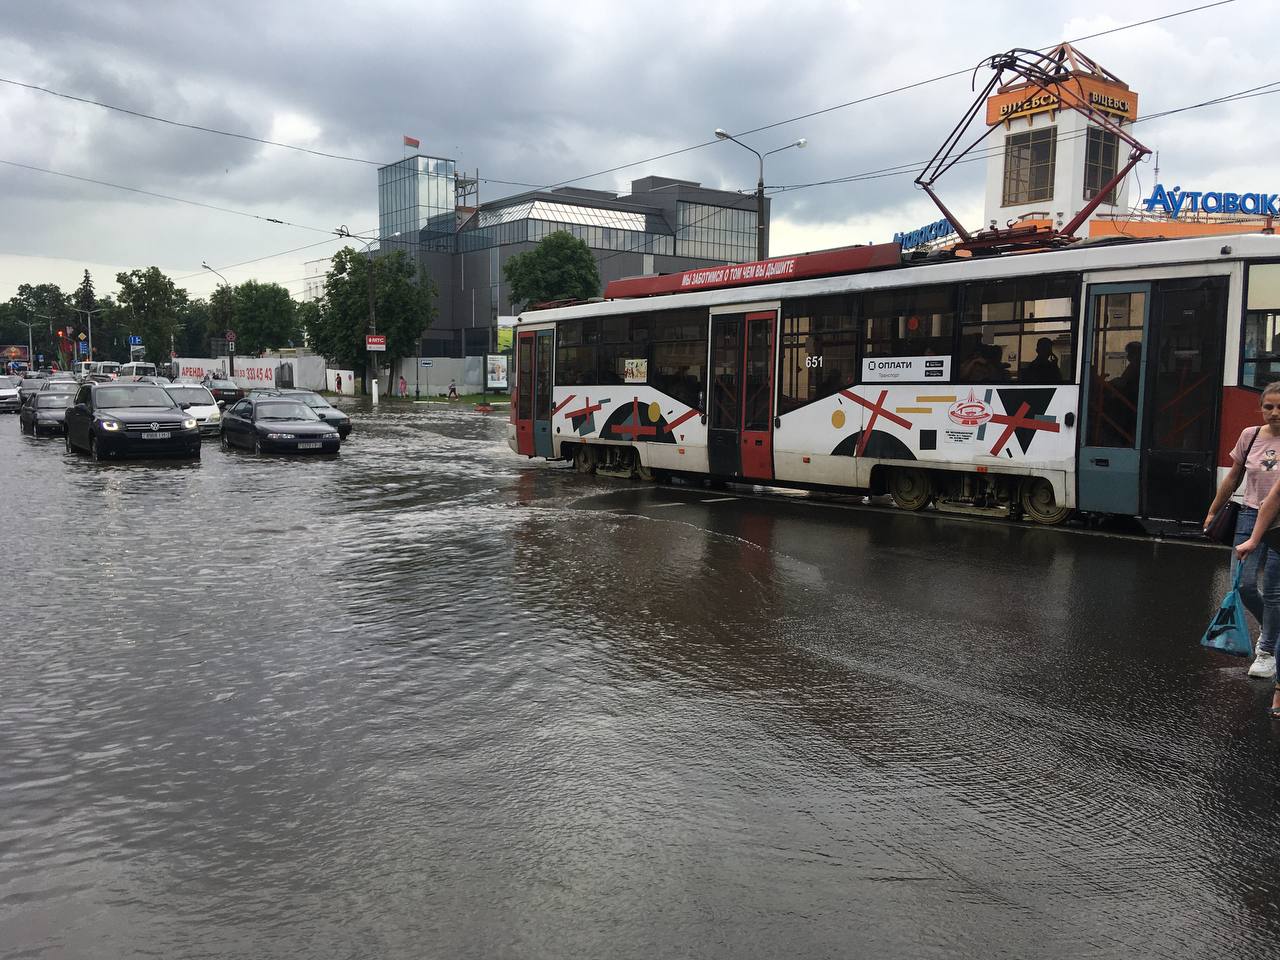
{"x": 915, "y": 322}
{"x": 715, "y": 233}
{"x": 819, "y": 349}
{"x": 678, "y": 355}
{"x": 1018, "y": 330}
{"x": 1028, "y": 166}
{"x": 1260, "y": 353}
{"x": 1101, "y": 152}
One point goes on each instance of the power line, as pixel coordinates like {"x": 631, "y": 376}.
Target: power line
{"x": 877, "y": 96}
{"x": 162, "y": 196}
{"x": 516, "y": 183}
{"x": 902, "y": 169}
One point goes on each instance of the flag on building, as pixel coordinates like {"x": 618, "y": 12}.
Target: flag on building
{"x": 411, "y": 142}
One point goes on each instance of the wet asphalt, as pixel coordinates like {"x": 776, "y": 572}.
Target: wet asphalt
{"x": 427, "y": 698}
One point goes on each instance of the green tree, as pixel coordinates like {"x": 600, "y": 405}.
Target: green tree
{"x": 561, "y": 267}
{"x": 83, "y": 298}
{"x": 403, "y": 307}
{"x": 154, "y": 302}
{"x": 45, "y": 307}
{"x": 264, "y": 317}
{"x": 194, "y": 321}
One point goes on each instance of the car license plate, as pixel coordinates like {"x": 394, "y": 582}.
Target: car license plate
{"x": 310, "y": 446}
{"x": 162, "y": 435}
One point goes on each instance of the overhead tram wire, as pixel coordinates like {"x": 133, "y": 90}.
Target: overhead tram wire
{"x": 162, "y": 196}
{"x": 877, "y": 96}
{"x": 663, "y": 156}
{"x": 903, "y": 169}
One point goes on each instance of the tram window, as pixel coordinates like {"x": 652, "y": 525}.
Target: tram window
{"x": 819, "y": 349}
{"x": 615, "y": 329}
{"x": 569, "y": 333}
{"x": 1260, "y": 352}
{"x": 680, "y": 325}
{"x": 1019, "y": 330}
{"x": 678, "y": 369}
{"x": 575, "y": 366}
{"x": 611, "y": 358}
{"x": 910, "y": 323}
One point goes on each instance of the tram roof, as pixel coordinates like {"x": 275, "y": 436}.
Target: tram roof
{"x": 887, "y": 268}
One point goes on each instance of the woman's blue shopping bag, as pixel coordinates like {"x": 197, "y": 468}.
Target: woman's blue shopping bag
{"x": 1228, "y": 632}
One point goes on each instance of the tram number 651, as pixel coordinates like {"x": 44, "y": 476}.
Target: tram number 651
{"x": 813, "y": 361}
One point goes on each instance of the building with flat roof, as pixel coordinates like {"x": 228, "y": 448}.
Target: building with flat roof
{"x": 429, "y": 210}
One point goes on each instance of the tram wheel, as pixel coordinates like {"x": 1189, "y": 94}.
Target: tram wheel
{"x": 910, "y": 488}
{"x": 641, "y": 471}
{"x": 584, "y": 459}
{"x": 1038, "y": 503}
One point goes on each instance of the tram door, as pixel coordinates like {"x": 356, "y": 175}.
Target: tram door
{"x": 533, "y": 393}
{"x": 740, "y": 405}
{"x": 1112, "y": 397}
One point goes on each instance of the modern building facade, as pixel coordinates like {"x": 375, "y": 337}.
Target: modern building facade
{"x": 662, "y": 226}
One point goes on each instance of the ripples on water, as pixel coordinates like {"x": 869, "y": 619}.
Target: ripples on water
{"x": 426, "y": 699}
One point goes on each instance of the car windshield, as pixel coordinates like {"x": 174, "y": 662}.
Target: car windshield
{"x": 60, "y": 386}
{"x": 143, "y": 396}
{"x": 284, "y": 410}
{"x": 9, "y": 382}
{"x": 198, "y": 396}
{"x": 53, "y": 401}
{"x": 31, "y": 383}
{"x": 312, "y": 400}
{"x": 222, "y": 384}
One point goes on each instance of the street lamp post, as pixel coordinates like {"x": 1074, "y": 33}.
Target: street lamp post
{"x": 342, "y": 231}
{"x": 761, "y": 251}
{"x": 31, "y": 349}
{"x": 231, "y": 350}
{"x": 52, "y": 321}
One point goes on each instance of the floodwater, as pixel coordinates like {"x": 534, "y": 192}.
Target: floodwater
{"x": 427, "y": 699}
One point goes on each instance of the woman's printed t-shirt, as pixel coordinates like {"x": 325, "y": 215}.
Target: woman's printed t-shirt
{"x": 1261, "y": 472}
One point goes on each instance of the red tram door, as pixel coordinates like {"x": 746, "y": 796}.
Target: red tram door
{"x": 522, "y": 412}
{"x": 740, "y": 414}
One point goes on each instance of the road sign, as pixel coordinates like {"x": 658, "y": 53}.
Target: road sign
{"x": 82, "y": 348}
{"x": 135, "y": 341}
{"x": 231, "y": 336}
{"x": 425, "y": 362}
{"x": 375, "y": 341}
{"x": 82, "y": 337}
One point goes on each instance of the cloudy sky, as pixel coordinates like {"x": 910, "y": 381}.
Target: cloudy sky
{"x": 545, "y": 93}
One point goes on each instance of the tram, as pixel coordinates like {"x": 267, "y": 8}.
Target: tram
{"x": 1104, "y": 377}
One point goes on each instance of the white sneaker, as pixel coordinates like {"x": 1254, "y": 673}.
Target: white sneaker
{"x": 1264, "y": 665}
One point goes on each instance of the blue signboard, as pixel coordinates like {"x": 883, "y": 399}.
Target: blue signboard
{"x": 135, "y": 341}
{"x": 83, "y": 348}
{"x": 1175, "y": 200}
{"x": 926, "y": 234}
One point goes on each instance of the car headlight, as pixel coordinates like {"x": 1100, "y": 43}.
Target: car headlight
{"x": 280, "y": 436}
{"x": 189, "y": 423}
{"x": 112, "y": 425}
{"x": 215, "y": 416}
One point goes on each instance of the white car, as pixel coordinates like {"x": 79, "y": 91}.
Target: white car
{"x": 10, "y": 401}
{"x": 199, "y": 403}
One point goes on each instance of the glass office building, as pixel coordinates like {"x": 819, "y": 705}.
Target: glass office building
{"x": 661, "y": 226}
{"x": 417, "y": 198}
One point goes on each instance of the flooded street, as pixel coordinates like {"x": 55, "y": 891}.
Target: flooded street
{"x": 428, "y": 699}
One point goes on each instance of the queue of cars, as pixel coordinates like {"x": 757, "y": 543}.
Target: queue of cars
{"x": 149, "y": 416}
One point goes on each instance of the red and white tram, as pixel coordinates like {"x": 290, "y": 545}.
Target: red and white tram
{"x": 1105, "y": 377}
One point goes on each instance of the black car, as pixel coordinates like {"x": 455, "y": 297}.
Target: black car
{"x": 225, "y": 391}
{"x": 129, "y": 419}
{"x": 46, "y": 412}
{"x": 269, "y": 422}
{"x": 321, "y": 407}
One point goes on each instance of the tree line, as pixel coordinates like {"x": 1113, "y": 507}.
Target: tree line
{"x": 264, "y": 316}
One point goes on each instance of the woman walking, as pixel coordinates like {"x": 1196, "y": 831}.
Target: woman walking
{"x": 1255, "y": 457}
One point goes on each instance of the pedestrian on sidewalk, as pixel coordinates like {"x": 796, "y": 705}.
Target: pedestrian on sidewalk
{"x": 337, "y": 379}
{"x": 1255, "y": 456}
{"x": 404, "y": 387}
{"x": 453, "y": 390}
